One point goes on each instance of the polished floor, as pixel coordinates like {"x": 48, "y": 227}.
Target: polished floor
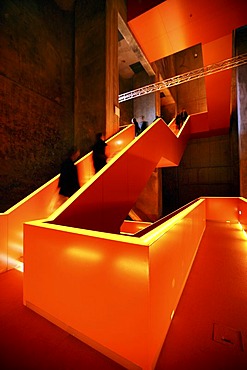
{"x": 208, "y": 331}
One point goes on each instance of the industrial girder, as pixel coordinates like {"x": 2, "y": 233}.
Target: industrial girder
{"x": 185, "y": 77}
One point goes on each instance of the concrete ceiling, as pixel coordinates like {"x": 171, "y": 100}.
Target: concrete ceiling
{"x": 170, "y": 27}
{"x": 173, "y": 26}
{"x": 126, "y": 57}
{"x": 176, "y": 25}
{"x": 131, "y": 59}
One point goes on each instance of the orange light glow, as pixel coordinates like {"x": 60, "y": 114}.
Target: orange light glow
{"x": 85, "y": 254}
{"x": 242, "y": 228}
{"x": 160, "y": 230}
{"x": 131, "y": 267}
{"x": 117, "y": 274}
{"x": 44, "y": 201}
{"x": 16, "y": 264}
{"x": 114, "y": 274}
{"x": 20, "y": 267}
{"x": 177, "y": 25}
{"x": 173, "y": 282}
{"x": 94, "y": 206}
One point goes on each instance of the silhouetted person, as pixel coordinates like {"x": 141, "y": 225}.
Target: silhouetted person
{"x": 178, "y": 120}
{"x": 137, "y": 128}
{"x": 68, "y": 180}
{"x": 183, "y": 115}
{"x": 99, "y": 156}
{"x": 143, "y": 124}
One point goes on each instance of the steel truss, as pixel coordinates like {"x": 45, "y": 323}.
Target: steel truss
{"x": 185, "y": 77}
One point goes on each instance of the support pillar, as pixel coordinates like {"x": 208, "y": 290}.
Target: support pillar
{"x": 96, "y": 69}
{"x": 241, "y": 42}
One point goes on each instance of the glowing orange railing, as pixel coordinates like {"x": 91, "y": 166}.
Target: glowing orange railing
{"x": 131, "y": 228}
{"x": 85, "y": 232}
{"x": 42, "y": 202}
{"x": 114, "y": 285}
{"x": 118, "y": 293}
{"x": 104, "y": 202}
{"x": 242, "y": 213}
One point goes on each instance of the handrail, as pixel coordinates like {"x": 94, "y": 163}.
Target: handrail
{"x": 42, "y": 202}
{"x": 103, "y": 203}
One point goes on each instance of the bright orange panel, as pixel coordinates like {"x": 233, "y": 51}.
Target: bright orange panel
{"x": 132, "y": 227}
{"x": 222, "y": 209}
{"x": 171, "y": 258}
{"x": 242, "y": 213}
{"x": 3, "y": 242}
{"x": 116, "y": 293}
{"x": 103, "y": 203}
{"x": 199, "y": 123}
{"x": 45, "y": 200}
{"x": 218, "y": 85}
{"x": 186, "y": 23}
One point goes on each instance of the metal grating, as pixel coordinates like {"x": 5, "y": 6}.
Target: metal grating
{"x": 185, "y": 77}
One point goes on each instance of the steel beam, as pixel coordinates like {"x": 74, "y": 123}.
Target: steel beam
{"x": 185, "y": 77}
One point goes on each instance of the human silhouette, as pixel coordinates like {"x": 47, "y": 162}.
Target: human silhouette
{"x": 68, "y": 181}
{"x": 143, "y": 124}
{"x": 137, "y": 128}
{"x": 99, "y": 156}
{"x": 178, "y": 120}
{"x": 183, "y": 115}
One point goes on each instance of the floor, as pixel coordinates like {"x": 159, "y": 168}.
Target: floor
{"x": 208, "y": 331}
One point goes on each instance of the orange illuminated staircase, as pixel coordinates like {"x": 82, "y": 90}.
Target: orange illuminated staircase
{"x": 119, "y": 293}
{"x": 103, "y": 203}
{"x": 43, "y": 202}
{"x": 114, "y": 286}
{"x": 105, "y": 287}
{"x": 208, "y": 330}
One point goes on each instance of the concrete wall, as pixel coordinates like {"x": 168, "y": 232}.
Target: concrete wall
{"x": 36, "y": 89}
{"x": 190, "y": 95}
{"x": 213, "y": 166}
{"x": 144, "y": 105}
{"x": 241, "y": 48}
{"x": 96, "y": 69}
{"x": 40, "y": 119}
{"x": 206, "y": 169}
{"x": 149, "y": 202}
{"x": 59, "y": 86}
{"x": 126, "y": 108}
